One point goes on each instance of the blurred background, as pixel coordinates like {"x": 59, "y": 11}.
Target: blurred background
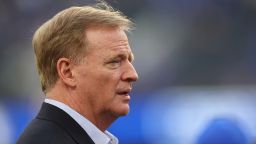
{"x": 196, "y": 61}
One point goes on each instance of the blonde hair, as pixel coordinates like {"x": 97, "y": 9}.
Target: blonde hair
{"x": 64, "y": 36}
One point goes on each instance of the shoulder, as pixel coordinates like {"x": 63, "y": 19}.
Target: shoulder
{"x": 41, "y": 131}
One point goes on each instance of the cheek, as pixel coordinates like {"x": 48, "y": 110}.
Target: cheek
{"x": 100, "y": 81}
{"x": 108, "y": 80}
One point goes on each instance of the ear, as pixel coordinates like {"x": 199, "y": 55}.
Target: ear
{"x": 64, "y": 69}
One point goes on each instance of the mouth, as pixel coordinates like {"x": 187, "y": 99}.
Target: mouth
{"x": 124, "y": 92}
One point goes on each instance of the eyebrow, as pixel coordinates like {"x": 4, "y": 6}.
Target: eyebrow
{"x": 123, "y": 56}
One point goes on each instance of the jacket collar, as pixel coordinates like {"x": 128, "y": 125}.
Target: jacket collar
{"x": 61, "y": 118}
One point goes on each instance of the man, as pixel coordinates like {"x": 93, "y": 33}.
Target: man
{"x": 85, "y": 67}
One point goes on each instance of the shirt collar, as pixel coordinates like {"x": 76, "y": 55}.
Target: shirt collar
{"x": 96, "y": 135}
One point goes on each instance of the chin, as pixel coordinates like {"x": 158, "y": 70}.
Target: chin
{"x": 122, "y": 110}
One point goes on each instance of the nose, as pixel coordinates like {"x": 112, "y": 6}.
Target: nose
{"x": 130, "y": 74}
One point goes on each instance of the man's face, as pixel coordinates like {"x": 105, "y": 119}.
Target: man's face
{"x": 105, "y": 78}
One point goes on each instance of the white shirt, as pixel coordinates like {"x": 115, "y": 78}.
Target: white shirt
{"x": 96, "y": 135}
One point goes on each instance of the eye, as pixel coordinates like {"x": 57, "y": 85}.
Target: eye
{"x": 114, "y": 63}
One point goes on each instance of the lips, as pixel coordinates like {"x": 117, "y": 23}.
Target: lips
{"x": 124, "y": 91}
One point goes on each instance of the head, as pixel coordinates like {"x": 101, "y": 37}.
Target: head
{"x": 86, "y": 51}
{"x": 64, "y": 36}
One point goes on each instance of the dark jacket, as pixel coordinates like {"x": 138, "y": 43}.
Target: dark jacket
{"x": 54, "y": 126}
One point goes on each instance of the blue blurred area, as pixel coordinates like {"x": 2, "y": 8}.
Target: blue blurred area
{"x": 223, "y": 131}
{"x": 19, "y": 113}
{"x": 176, "y": 115}
{"x": 191, "y": 116}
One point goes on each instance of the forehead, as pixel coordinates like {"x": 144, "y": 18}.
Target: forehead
{"x": 98, "y": 35}
{"x": 107, "y": 38}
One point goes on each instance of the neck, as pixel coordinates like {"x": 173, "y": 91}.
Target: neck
{"x": 102, "y": 120}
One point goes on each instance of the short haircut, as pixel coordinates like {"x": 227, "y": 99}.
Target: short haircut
{"x": 64, "y": 36}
